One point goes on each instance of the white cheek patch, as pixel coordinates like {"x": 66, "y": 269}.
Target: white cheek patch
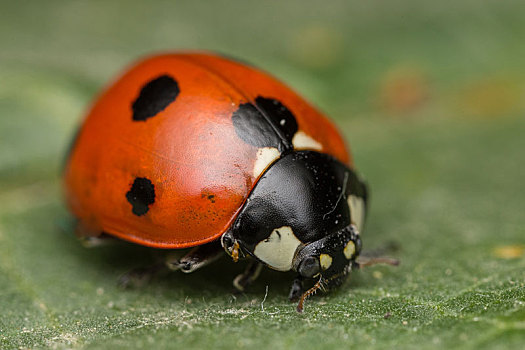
{"x": 349, "y": 250}
{"x": 303, "y": 141}
{"x": 265, "y": 156}
{"x": 357, "y": 211}
{"x": 278, "y": 250}
{"x": 326, "y": 261}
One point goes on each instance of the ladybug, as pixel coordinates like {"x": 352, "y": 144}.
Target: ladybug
{"x": 197, "y": 150}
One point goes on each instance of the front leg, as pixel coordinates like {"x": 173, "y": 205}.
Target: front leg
{"x": 242, "y": 281}
{"x": 197, "y": 257}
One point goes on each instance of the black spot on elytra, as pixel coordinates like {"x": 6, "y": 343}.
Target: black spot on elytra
{"x": 268, "y": 123}
{"x": 279, "y": 115}
{"x": 251, "y": 126}
{"x": 141, "y": 195}
{"x": 154, "y": 97}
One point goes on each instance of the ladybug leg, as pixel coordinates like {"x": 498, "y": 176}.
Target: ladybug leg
{"x": 90, "y": 238}
{"x": 367, "y": 261}
{"x": 242, "y": 281}
{"x": 377, "y": 256}
{"x": 297, "y": 289}
{"x": 95, "y": 242}
{"x": 197, "y": 257}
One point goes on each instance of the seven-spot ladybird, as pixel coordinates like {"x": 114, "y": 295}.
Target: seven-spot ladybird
{"x": 196, "y": 150}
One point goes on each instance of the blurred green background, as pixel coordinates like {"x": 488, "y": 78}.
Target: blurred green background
{"x": 428, "y": 93}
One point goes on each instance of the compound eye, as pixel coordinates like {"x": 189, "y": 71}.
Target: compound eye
{"x": 309, "y": 267}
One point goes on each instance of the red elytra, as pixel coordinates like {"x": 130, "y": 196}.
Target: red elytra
{"x": 181, "y": 152}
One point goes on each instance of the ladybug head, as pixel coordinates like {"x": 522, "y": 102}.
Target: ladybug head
{"x": 302, "y": 215}
{"x": 328, "y": 259}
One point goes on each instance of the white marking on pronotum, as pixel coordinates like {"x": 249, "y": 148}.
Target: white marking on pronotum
{"x": 357, "y": 211}
{"x": 340, "y": 196}
{"x": 326, "y": 261}
{"x": 277, "y": 251}
{"x": 303, "y": 141}
{"x": 265, "y": 156}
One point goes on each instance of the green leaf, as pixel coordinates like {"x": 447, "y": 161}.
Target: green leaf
{"x": 424, "y": 93}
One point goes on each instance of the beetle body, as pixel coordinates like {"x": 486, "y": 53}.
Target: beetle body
{"x": 188, "y": 150}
